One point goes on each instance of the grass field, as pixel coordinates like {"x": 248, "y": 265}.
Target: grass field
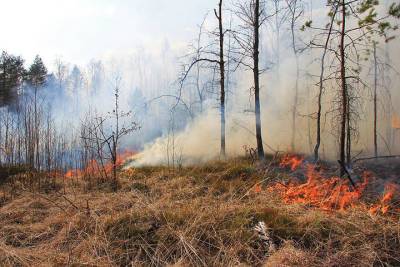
{"x": 193, "y": 216}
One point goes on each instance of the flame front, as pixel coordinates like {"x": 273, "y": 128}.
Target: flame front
{"x": 385, "y": 203}
{"x": 96, "y": 168}
{"x": 318, "y": 191}
{"x": 331, "y": 193}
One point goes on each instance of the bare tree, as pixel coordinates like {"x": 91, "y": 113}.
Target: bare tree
{"x": 222, "y": 76}
{"x": 61, "y": 72}
{"x": 105, "y": 133}
{"x": 215, "y": 58}
{"x": 296, "y": 11}
{"x": 375, "y": 101}
{"x": 279, "y": 20}
{"x": 199, "y": 88}
{"x": 252, "y": 16}
{"x": 343, "y": 83}
{"x": 381, "y": 67}
{"x": 321, "y": 82}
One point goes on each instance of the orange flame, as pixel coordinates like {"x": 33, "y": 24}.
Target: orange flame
{"x": 291, "y": 161}
{"x": 334, "y": 193}
{"x": 327, "y": 194}
{"x": 73, "y": 173}
{"x": 95, "y": 168}
{"x": 385, "y": 202}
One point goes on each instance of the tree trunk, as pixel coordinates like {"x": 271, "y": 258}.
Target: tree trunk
{"x": 348, "y": 133}
{"x": 222, "y": 78}
{"x": 321, "y": 88}
{"x": 256, "y": 73}
{"x": 296, "y": 89}
{"x": 114, "y": 165}
{"x": 342, "y": 140}
{"x": 295, "y": 103}
{"x": 375, "y": 103}
{"x": 278, "y": 41}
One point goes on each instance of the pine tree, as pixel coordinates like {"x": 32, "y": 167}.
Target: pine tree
{"x": 37, "y": 73}
{"x": 11, "y": 76}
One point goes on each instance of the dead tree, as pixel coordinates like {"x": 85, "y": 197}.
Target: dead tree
{"x": 61, "y": 72}
{"x": 252, "y": 16}
{"x": 381, "y": 93}
{"x": 222, "y": 76}
{"x": 215, "y": 58}
{"x": 106, "y": 132}
{"x": 343, "y": 84}
{"x": 375, "y": 102}
{"x": 296, "y": 11}
{"x": 321, "y": 83}
{"x": 256, "y": 72}
{"x": 280, "y": 18}
{"x": 199, "y": 88}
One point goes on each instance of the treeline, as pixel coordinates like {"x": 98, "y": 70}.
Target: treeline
{"x": 15, "y": 78}
{"x": 236, "y": 44}
{"x": 35, "y": 132}
{"x": 59, "y": 121}
{"x": 28, "y": 135}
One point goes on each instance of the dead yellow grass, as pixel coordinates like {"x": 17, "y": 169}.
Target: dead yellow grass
{"x": 197, "y": 216}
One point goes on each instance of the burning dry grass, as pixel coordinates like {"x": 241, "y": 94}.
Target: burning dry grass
{"x": 99, "y": 168}
{"x": 198, "y": 216}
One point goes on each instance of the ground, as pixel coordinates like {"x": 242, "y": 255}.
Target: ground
{"x": 192, "y": 216}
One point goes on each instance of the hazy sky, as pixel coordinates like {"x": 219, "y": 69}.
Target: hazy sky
{"x": 79, "y": 30}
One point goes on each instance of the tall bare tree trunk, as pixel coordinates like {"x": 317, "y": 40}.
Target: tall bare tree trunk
{"x": 278, "y": 40}
{"x": 375, "y": 102}
{"x": 222, "y": 78}
{"x": 295, "y": 101}
{"x": 348, "y": 133}
{"x": 321, "y": 87}
{"x": 296, "y": 89}
{"x": 199, "y": 90}
{"x": 115, "y": 138}
{"x": 344, "y": 95}
{"x": 256, "y": 73}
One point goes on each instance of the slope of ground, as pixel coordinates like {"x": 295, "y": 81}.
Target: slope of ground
{"x": 195, "y": 216}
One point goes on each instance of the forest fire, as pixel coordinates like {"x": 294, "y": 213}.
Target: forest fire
{"x": 385, "y": 204}
{"x": 291, "y": 161}
{"x": 99, "y": 168}
{"x": 332, "y": 193}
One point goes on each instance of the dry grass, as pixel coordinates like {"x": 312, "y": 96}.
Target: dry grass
{"x": 197, "y": 216}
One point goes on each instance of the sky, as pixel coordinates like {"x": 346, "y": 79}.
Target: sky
{"x": 80, "y": 30}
